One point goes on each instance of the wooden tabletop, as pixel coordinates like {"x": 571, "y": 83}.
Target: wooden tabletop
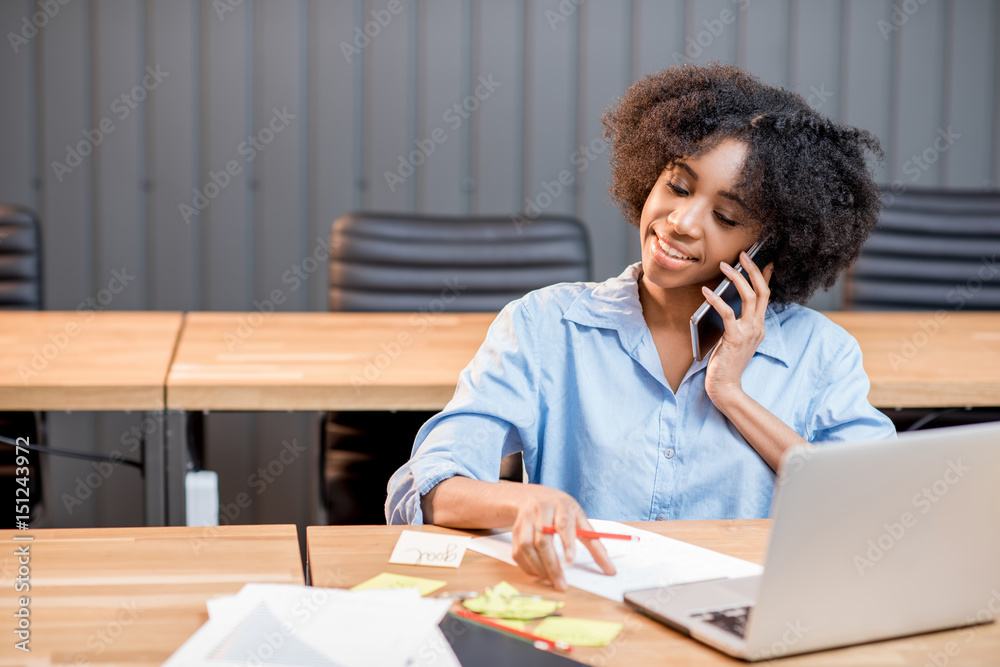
{"x": 342, "y": 556}
{"x": 928, "y": 359}
{"x": 85, "y": 360}
{"x": 132, "y": 595}
{"x": 393, "y": 361}
{"x": 322, "y": 361}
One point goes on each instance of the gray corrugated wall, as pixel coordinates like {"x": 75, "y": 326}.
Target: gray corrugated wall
{"x": 905, "y": 70}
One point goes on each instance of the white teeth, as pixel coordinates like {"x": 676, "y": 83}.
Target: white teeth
{"x": 671, "y": 252}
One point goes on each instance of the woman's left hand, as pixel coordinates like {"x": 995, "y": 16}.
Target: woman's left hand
{"x": 741, "y": 336}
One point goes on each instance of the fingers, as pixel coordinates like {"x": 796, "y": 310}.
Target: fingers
{"x": 596, "y": 548}
{"x": 566, "y": 527}
{"x": 760, "y": 281}
{"x": 544, "y": 547}
{"x": 747, "y": 293}
{"x": 727, "y": 314}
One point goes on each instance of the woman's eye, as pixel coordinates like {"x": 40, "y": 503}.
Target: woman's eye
{"x": 726, "y": 221}
{"x": 676, "y": 188}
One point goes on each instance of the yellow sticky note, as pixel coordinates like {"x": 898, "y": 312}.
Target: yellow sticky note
{"x": 577, "y": 631}
{"x": 387, "y": 580}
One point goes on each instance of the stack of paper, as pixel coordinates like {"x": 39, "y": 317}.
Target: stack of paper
{"x": 277, "y": 624}
{"x": 653, "y": 561}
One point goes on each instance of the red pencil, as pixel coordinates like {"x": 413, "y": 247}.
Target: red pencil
{"x": 546, "y": 644}
{"x": 593, "y": 535}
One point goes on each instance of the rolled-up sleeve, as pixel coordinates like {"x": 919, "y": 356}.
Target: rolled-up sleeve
{"x": 841, "y": 410}
{"x": 493, "y": 413}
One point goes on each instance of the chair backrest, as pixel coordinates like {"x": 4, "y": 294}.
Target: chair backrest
{"x": 410, "y": 263}
{"x": 20, "y": 259}
{"x": 931, "y": 249}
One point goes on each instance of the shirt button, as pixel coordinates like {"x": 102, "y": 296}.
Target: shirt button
{"x": 661, "y": 518}
{"x": 669, "y": 453}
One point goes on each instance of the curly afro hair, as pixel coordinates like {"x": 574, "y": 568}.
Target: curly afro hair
{"x": 805, "y": 177}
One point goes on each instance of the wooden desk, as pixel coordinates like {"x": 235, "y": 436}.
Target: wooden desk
{"x": 133, "y": 595}
{"x": 342, "y": 556}
{"x": 393, "y": 361}
{"x": 87, "y": 360}
{"x": 69, "y": 360}
{"x": 932, "y": 359}
{"x": 322, "y": 361}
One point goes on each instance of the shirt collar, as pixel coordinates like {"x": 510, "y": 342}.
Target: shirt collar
{"x": 614, "y": 304}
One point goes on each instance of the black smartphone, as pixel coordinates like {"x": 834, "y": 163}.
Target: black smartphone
{"x": 706, "y": 323}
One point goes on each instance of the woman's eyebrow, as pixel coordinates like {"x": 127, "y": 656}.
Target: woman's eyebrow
{"x": 688, "y": 170}
{"x": 732, "y": 197}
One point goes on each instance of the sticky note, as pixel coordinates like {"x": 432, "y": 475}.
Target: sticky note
{"x": 504, "y": 601}
{"x": 577, "y": 631}
{"x": 433, "y": 549}
{"x": 504, "y": 589}
{"x": 387, "y": 580}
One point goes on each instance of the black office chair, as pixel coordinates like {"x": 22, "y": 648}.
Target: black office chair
{"x": 412, "y": 263}
{"x": 932, "y": 249}
{"x": 20, "y": 289}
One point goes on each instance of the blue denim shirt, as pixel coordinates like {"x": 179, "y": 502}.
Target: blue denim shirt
{"x": 569, "y": 375}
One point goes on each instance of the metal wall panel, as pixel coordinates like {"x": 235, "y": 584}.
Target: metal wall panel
{"x": 173, "y": 156}
{"x": 605, "y": 68}
{"x": 17, "y": 113}
{"x": 498, "y": 128}
{"x": 971, "y": 83}
{"x": 919, "y": 101}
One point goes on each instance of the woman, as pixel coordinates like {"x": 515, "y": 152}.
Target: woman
{"x": 596, "y": 383}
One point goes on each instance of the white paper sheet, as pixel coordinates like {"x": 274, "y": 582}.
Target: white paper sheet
{"x": 654, "y": 560}
{"x": 278, "y": 625}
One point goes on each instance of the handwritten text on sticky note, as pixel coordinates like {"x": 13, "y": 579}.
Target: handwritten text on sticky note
{"x": 434, "y": 549}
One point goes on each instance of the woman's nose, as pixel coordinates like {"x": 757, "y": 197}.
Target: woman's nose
{"x": 685, "y": 220}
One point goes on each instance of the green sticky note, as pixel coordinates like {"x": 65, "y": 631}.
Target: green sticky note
{"x": 387, "y": 580}
{"x": 504, "y": 601}
{"x": 504, "y": 589}
{"x": 578, "y": 631}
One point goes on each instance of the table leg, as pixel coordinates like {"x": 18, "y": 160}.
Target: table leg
{"x": 177, "y": 465}
{"x": 317, "y": 509}
{"x": 154, "y": 474}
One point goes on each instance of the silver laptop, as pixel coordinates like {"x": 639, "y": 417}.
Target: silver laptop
{"x": 870, "y": 540}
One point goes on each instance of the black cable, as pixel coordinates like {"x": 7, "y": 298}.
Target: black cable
{"x": 73, "y": 455}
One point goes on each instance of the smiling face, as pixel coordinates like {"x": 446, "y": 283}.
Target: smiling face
{"x": 692, "y": 220}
